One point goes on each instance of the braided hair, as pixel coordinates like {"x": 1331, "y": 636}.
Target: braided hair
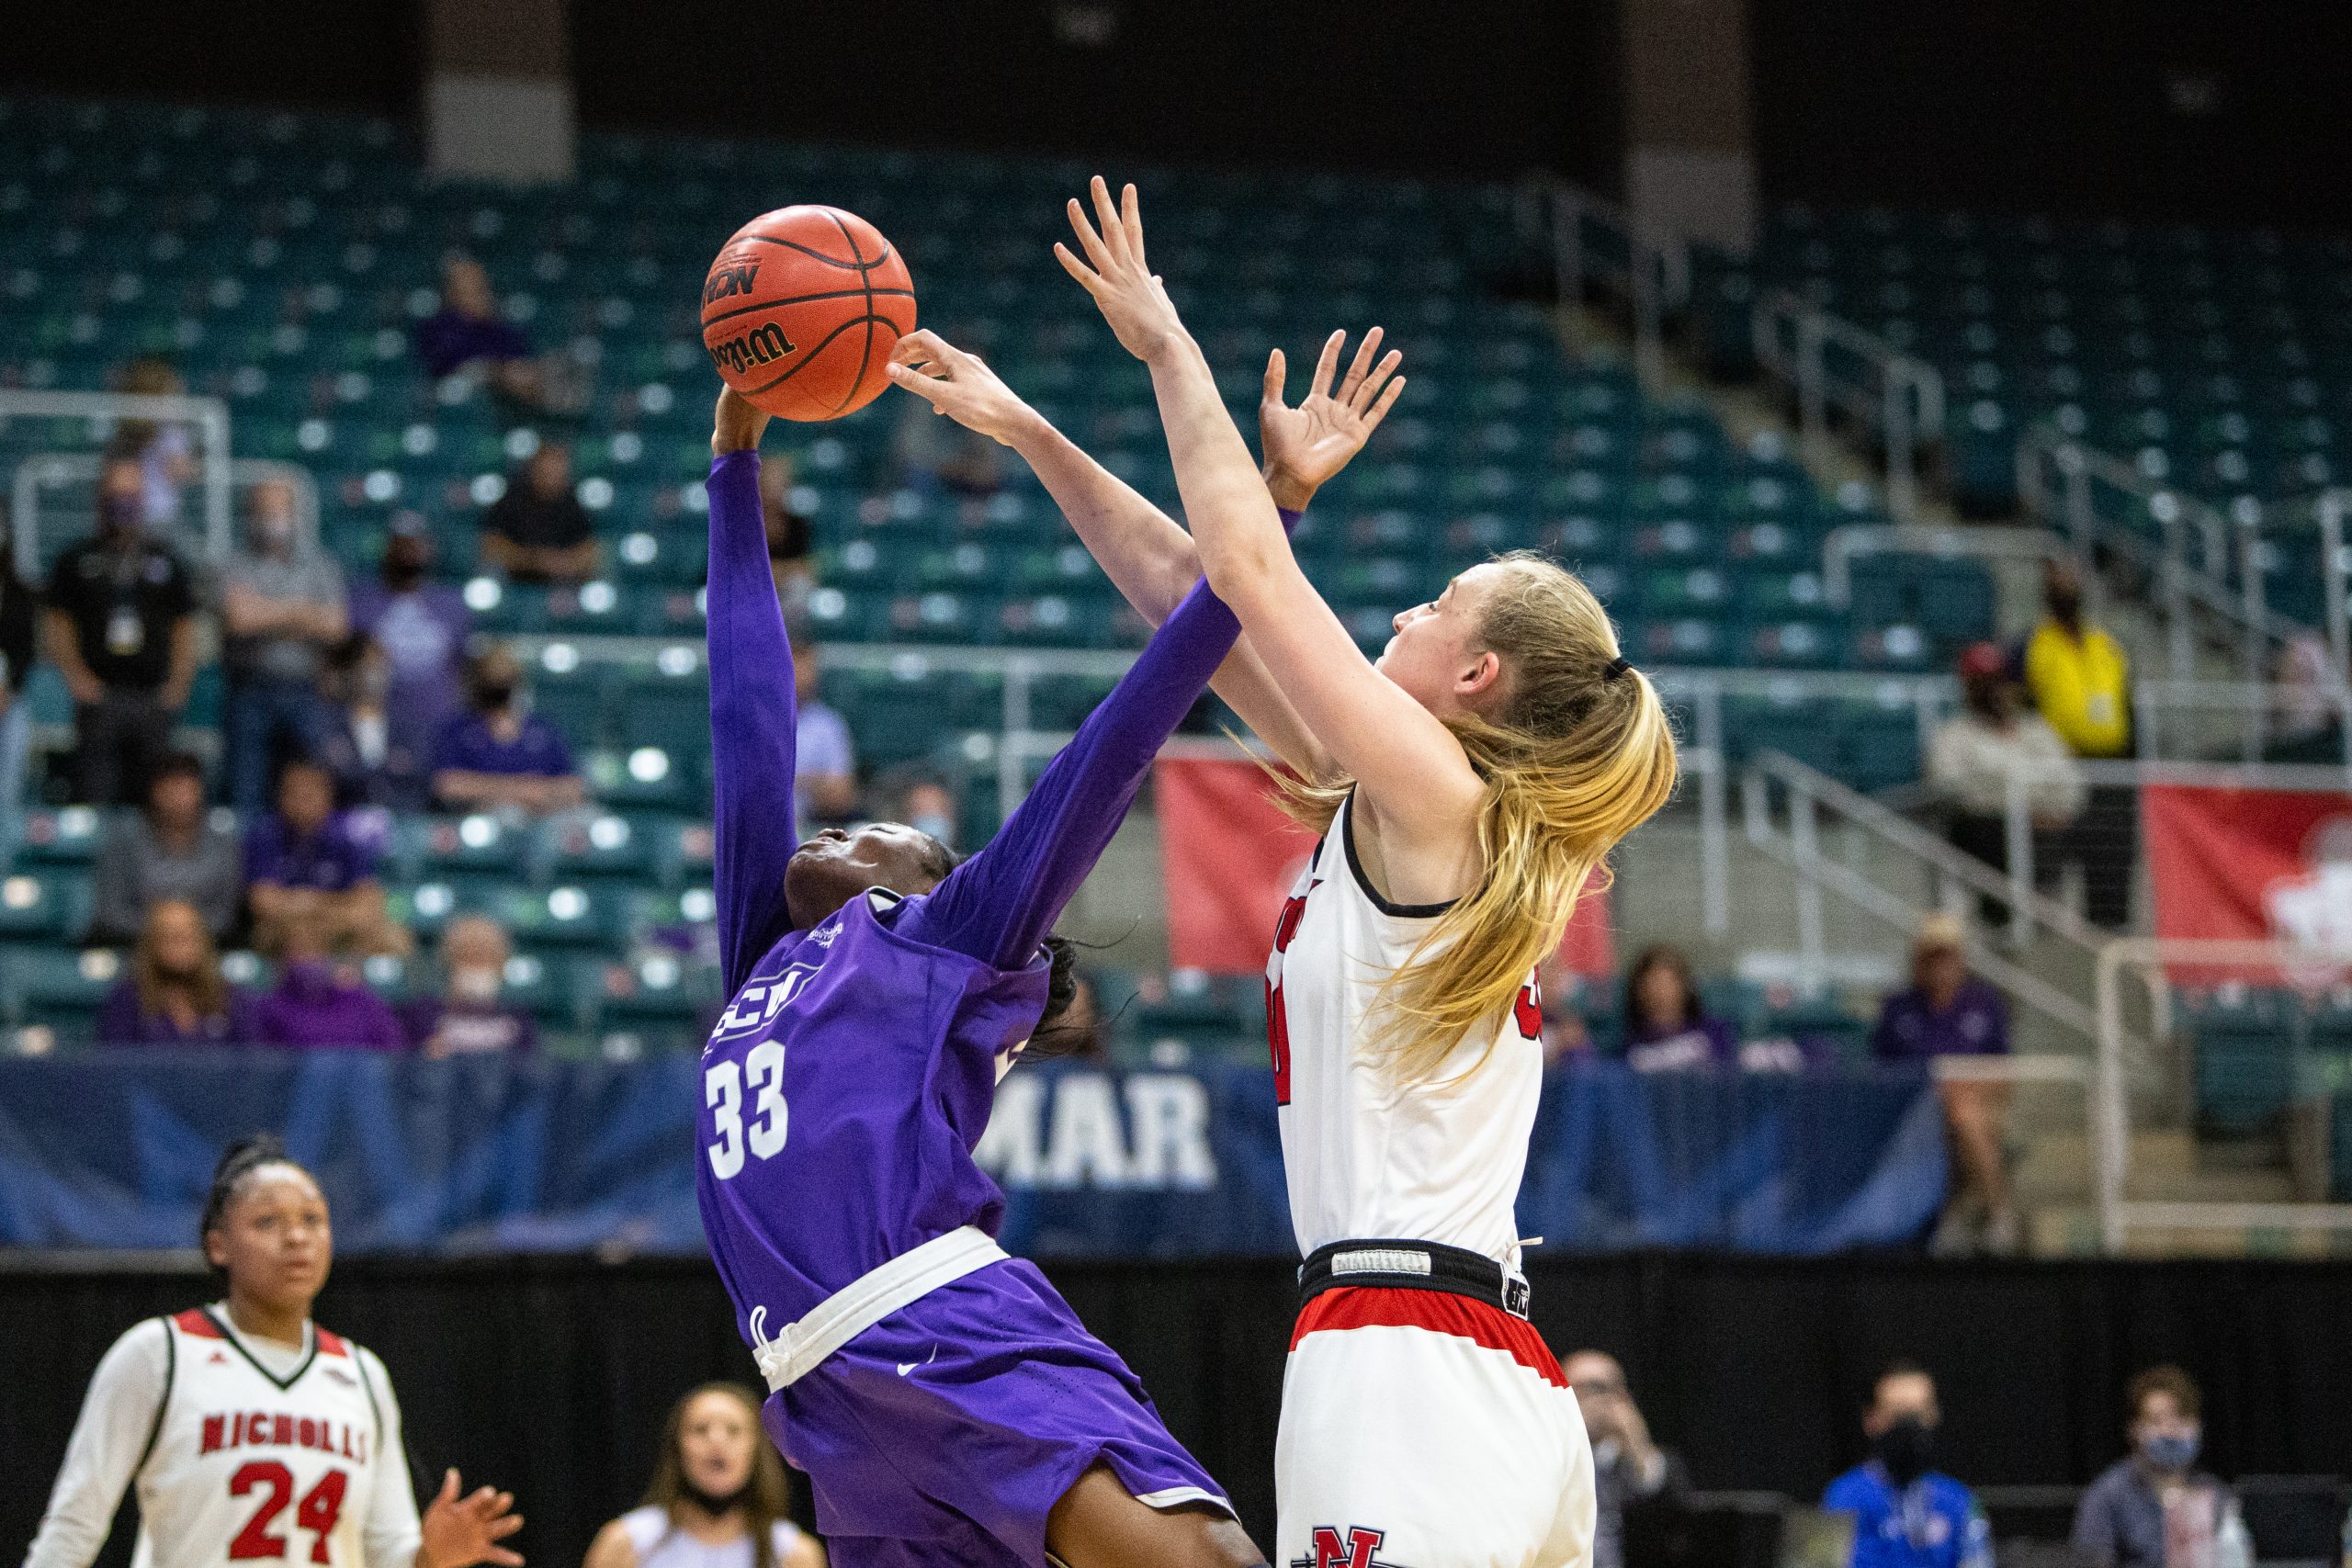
{"x": 243, "y": 1157}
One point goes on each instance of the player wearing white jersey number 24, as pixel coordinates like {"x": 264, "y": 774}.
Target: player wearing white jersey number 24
{"x": 1466, "y": 786}
{"x": 254, "y": 1435}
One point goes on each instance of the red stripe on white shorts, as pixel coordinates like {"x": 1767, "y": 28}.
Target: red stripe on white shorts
{"x": 1439, "y": 1312}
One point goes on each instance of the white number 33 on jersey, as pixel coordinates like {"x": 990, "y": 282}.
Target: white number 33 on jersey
{"x": 723, "y": 1084}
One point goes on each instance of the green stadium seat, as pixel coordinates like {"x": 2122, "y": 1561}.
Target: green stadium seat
{"x": 59, "y": 991}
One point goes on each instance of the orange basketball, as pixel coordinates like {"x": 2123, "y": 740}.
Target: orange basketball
{"x": 801, "y": 310}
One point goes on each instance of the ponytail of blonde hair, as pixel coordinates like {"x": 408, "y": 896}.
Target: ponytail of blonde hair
{"x": 1574, "y": 757}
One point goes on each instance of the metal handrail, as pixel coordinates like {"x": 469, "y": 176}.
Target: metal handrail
{"x": 57, "y": 468}
{"x": 1654, "y": 279}
{"x": 1901, "y": 398}
{"x": 209, "y": 415}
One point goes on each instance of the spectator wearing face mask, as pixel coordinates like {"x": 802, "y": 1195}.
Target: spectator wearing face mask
{"x": 467, "y": 1017}
{"x": 120, "y": 624}
{"x": 281, "y": 607}
{"x": 1907, "y": 1515}
{"x": 422, "y": 626}
{"x": 314, "y": 1007}
{"x": 498, "y": 757}
{"x": 2154, "y": 1509}
{"x": 373, "y": 763}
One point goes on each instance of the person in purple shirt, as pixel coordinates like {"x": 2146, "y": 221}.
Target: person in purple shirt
{"x": 946, "y": 1404}
{"x": 315, "y": 1007}
{"x": 1666, "y": 1027}
{"x": 174, "y": 993}
{"x": 422, "y": 627}
{"x": 467, "y": 330}
{"x": 498, "y": 756}
{"x": 1947, "y": 1011}
{"x": 308, "y": 865}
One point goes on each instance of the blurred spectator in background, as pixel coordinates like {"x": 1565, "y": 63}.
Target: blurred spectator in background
{"x": 1975, "y": 753}
{"x": 718, "y": 1498}
{"x": 281, "y": 607}
{"x": 2154, "y": 1509}
{"x": 120, "y": 626}
{"x": 497, "y": 756}
{"x": 791, "y": 545}
{"x": 313, "y": 1006}
{"x": 1947, "y": 1011}
{"x": 371, "y": 764}
{"x": 1666, "y": 1027}
{"x": 2308, "y": 725}
{"x": 1907, "y": 1515}
{"x": 468, "y": 332}
{"x": 1557, "y": 989}
{"x": 467, "y": 1017}
{"x": 422, "y": 627}
{"x": 1628, "y": 1468}
{"x": 537, "y": 531}
{"x": 932, "y": 454}
{"x": 20, "y": 631}
{"x": 172, "y": 850}
{"x": 824, "y": 790}
{"x": 2080, "y": 680}
{"x": 174, "y": 993}
{"x": 161, "y": 448}
{"x": 914, "y": 794}
{"x": 307, "y": 867}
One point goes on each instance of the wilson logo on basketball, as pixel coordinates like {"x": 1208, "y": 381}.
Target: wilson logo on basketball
{"x": 729, "y": 279}
{"x": 747, "y": 351}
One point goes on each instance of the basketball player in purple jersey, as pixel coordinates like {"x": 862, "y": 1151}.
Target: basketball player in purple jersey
{"x": 945, "y": 1402}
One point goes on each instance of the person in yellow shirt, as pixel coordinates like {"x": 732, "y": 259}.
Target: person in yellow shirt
{"x": 2079, "y": 678}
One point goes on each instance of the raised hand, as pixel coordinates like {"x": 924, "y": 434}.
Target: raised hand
{"x": 1114, "y": 271}
{"x": 461, "y": 1532}
{"x": 960, "y": 386}
{"x": 1303, "y": 446}
{"x": 735, "y": 424}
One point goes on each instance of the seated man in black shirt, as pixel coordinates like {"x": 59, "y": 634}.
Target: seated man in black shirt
{"x": 538, "y": 532}
{"x": 120, "y": 622}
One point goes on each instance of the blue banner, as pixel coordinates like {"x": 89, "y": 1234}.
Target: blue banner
{"x": 115, "y": 1149}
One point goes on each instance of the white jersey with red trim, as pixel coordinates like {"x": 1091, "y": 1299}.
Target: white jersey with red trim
{"x": 246, "y": 1466}
{"x": 1366, "y": 1158}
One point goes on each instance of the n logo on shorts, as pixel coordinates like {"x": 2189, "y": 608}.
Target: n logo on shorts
{"x": 1354, "y": 1551}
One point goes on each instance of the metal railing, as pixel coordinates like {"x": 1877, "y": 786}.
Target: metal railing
{"x": 48, "y": 470}
{"x": 105, "y": 411}
{"x": 1592, "y": 240}
{"x": 2119, "y": 1213}
{"x": 2331, "y": 507}
{"x": 1831, "y": 364}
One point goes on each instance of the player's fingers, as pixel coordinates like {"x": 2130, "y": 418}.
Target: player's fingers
{"x": 1088, "y": 240}
{"x": 1326, "y": 365}
{"x": 1273, "y": 391}
{"x": 1106, "y": 212}
{"x": 1076, "y": 268}
{"x": 1357, "y": 366}
{"x": 1380, "y": 410}
{"x": 920, "y": 344}
{"x": 500, "y": 1529}
{"x": 448, "y": 1486}
{"x": 1372, "y": 383}
{"x": 930, "y": 389}
{"x": 503, "y": 1557}
{"x": 1131, "y": 221}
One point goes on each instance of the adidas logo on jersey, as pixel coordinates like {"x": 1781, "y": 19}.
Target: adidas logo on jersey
{"x": 218, "y": 1358}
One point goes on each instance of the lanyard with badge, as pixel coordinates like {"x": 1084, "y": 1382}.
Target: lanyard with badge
{"x": 126, "y": 632}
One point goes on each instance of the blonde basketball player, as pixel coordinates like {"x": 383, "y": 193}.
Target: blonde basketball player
{"x": 1468, "y": 784}
{"x": 254, "y": 1436}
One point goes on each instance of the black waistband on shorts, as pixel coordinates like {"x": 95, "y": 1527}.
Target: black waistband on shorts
{"x": 1412, "y": 1266}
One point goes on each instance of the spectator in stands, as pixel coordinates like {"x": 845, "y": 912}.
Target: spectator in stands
{"x": 825, "y": 787}
{"x": 1666, "y": 1026}
{"x": 121, "y": 624}
{"x": 281, "y": 608}
{"x": 921, "y": 799}
{"x": 467, "y": 330}
{"x": 174, "y": 993}
{"x": 718, "y": 1498}
{"x": 308, "y": 866}
{"x": 313, "y": 1006}
{"x": 497, "y": 756}
{"x": 172, "y": 850}
{"x": 1629, "y": 1469}
{"x": 467, "y": 1017}
{"x": 791, "y": 545}
{"x": 1947, "y": 1011}
{"x": 1906, "y": 1514}
{"x": 1558, "y": 989}
{"x": 2308, "y": 723}
{"x": 165, "y": 456}
{"x": 934, "y": 453}
{"x": 537, "y": 531}
{"x": 2154, "y": 1509}
{"x": 2080, "y": 680}
{"x": 422, "y": 626}
{"x": 1975, "y": 755}
{"x": 372, "y": 763}
{"x": 20, "y": 631}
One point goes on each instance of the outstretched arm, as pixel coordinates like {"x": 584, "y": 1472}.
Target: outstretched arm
{"x": 1147, "y": 556}
{"x": 998, "y": 905}
{"x": 1413, "y": 773}
{"x": 753, "y": 713}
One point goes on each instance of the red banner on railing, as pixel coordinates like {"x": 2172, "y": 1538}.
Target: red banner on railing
{"x": 1230, "y": 857}
{"x": 2249, "y": 866}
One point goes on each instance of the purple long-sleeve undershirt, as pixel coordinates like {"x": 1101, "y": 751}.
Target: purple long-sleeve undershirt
{"x": 997, "y": 906}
